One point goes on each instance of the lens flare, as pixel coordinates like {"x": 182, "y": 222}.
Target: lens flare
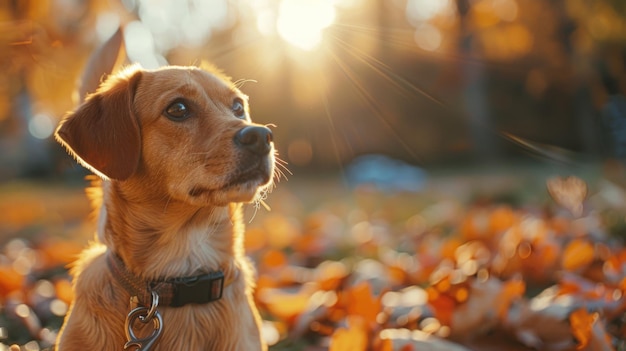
{"x": 302, "y": 22}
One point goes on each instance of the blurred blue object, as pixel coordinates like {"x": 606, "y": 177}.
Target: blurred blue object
{"x": 614, "y": 115}
{"x": 385, "y": 173}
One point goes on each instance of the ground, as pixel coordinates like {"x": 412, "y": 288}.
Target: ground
{"x": 516, "y": 258}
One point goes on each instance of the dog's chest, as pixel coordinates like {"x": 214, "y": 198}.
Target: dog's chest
{"x": 191, "y": 251}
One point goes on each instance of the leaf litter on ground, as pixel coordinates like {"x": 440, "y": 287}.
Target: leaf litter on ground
{"x": 383, "y": 271}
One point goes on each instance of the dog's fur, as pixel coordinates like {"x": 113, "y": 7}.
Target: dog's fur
{"x": 171, "y": 206}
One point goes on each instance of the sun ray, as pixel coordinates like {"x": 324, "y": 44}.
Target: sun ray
{"x": 385, "y": 72}
{"x": 331, "y": 125}
{"x": 409, "y": 89}
{"x": 371, "y": 103}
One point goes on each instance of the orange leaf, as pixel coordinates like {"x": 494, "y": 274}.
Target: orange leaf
{"x": 64, "y": 290}
{"x": 280, "y": 231}
{"x": 361, "y": 302}
{"x": 56, "y": 252}
{"x": 11, "y": 280}
{"x": 567, "y": 286}
{"x": 501, "y": 219}
{"x": 443, "y": 305}
{"x": 285, "y": 303}
{"x": 511, "y": 291}
{"x": 582, "y": 324}
{"x": 255, "y": 239}
{"x": 384, "y": 345}
{"x": 475, "y": 225}
{"x": 352, "y": 339}
{"x": 449, "y": 247}
{"x": 444, "y": 284}
{"x": 397, "y": 274}
{"x": 578, "y": 254}
{"x": 330, "y": 274}
{"x": 273, "y": 259}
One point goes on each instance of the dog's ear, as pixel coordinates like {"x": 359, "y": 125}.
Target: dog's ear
{"x": 103, "y": 133}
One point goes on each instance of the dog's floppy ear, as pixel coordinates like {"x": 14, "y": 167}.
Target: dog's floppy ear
{"x": 103, "y": 133}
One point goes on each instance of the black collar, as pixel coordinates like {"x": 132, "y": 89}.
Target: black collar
{"x": 174, "y": 292}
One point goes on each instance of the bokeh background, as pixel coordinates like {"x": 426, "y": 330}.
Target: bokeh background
{"x": 410, "y": 128}
{"x": 429, "y": 82}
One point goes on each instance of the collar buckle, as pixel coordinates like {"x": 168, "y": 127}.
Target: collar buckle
{"x": 200, "y": 289}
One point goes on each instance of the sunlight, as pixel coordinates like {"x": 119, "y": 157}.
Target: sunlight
{"x": 301, "y": 22}
{"x": 41, "y": 126}
{"x": 428, "y": 37}
{"x": 418, "y": 11}
{"x": 506, "y": 10}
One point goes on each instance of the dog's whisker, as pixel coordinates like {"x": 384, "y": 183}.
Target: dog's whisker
{"x": 283, "y": 164}
{"x": 241, "y": 82}
{"x": 279, "y": 174}
{"x": 260, "y": 201}
{"x": 280, "y": 160}
{"x": 281, "y": 168}
{"x": 265, "y": 205}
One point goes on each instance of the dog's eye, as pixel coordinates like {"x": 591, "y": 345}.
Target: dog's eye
{"x": 177, "y": 111}
{"x": 238, "y": 108}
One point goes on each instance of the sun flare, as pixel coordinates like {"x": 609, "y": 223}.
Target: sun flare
{"x": 302, "y": 22}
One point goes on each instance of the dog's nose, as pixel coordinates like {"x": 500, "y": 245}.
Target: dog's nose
{"x": 257, "y": 139}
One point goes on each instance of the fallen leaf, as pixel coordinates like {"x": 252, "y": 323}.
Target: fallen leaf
{"x": 361, "y": 302}
{"x": 11, "y": 280}
{"x": 285, "y": 303}
{"x": 330, "y": 274}
{"x": 476, "y": 225}
{"x": 64, "y": 290}
{"x": 501, "y": 219}
{"x": 384, "y": 345}
{"x": 443, "y": 305}
{"x": 582, "y": 324}
{"x": 578, "y": 254}
{"x": 476, "y": 315}
{"x": 568, "y": 192}
{"x": 353, "y": 338}
{"x": 405, "y": 339}
{"x": 281, "y": 231}
{"x": 57, "y": 252}
{"x": 511, "y": 291}
{"x": 273, "y": 259}
{"x": 541, "y": 323}
{"x": 255, "y": 240}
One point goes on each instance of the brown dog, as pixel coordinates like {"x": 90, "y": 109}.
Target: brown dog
{"x": 178, "y": 155}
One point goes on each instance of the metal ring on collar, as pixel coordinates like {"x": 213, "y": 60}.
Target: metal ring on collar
{"x": 153, "y": 308}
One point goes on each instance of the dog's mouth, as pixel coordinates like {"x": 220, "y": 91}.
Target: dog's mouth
{"x": 252, "y": 177}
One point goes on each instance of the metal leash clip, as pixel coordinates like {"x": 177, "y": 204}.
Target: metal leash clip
{"x": 145, "y": 315}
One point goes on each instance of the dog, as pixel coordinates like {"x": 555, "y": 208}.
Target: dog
{"x": 178, "y": 156}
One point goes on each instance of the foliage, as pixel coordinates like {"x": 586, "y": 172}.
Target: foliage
{"x": 395, "y": 271}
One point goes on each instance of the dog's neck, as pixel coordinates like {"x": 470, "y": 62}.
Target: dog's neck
{"x": 158, "y": 237}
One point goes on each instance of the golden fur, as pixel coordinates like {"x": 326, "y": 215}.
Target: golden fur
{"x": 171, "y": 206}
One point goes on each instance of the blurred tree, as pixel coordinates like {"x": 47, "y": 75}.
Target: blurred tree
{"x": 430, "y": 89}
{"x": 475, "y": 94}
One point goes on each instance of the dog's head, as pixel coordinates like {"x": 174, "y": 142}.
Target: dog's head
{"x": 182, "y": 129}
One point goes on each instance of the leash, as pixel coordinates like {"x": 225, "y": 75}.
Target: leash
{"x": 147, "y": 296}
